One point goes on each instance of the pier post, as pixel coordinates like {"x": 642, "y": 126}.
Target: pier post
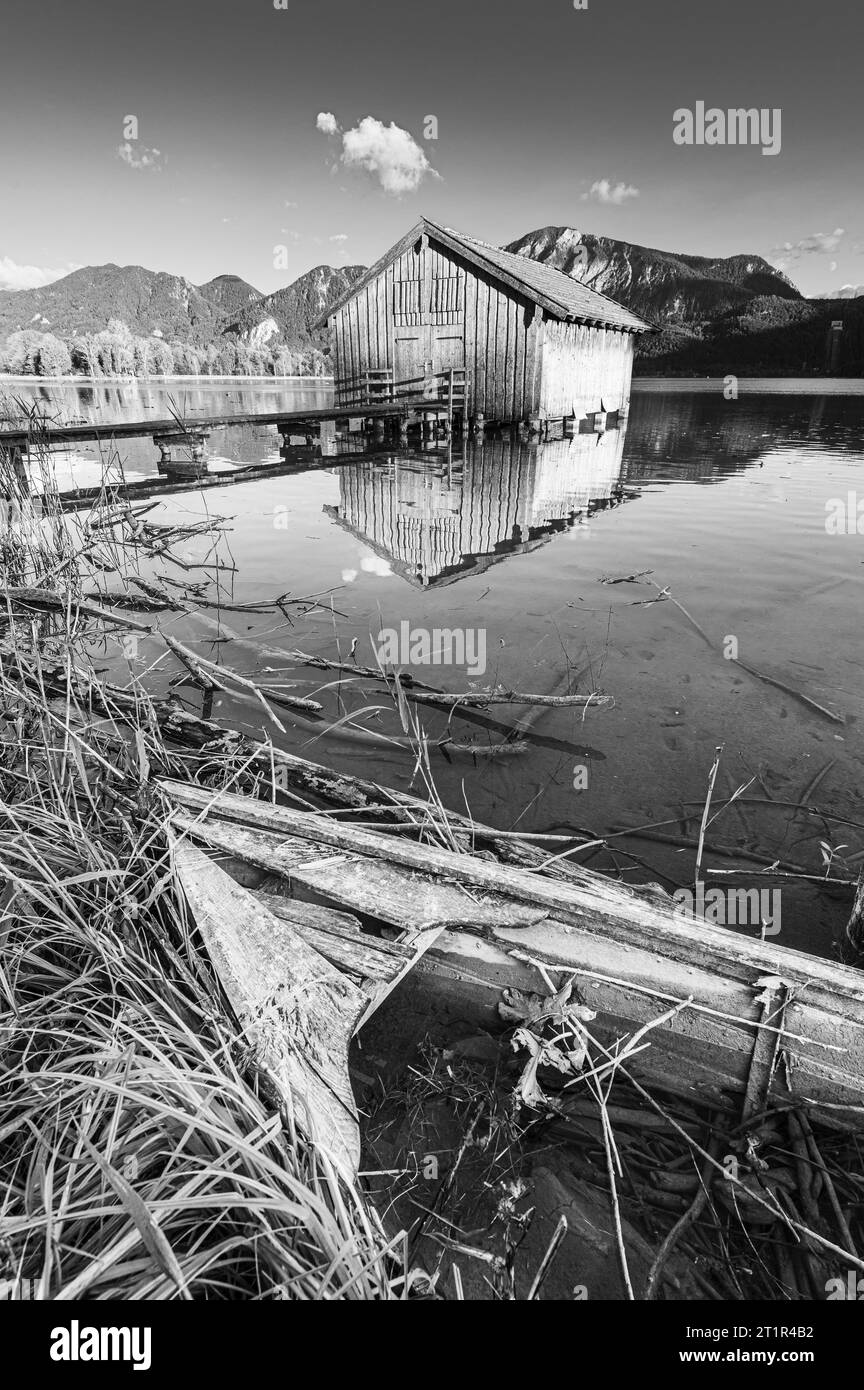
{"x": 194, "y": 441}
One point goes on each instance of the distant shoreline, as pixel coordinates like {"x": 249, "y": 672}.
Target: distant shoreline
{"x": 769, "y": 385}
{"x": 142, "y": 380}
{"x": 755, "y": 385}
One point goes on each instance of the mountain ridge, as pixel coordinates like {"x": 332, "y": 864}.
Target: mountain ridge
{"x": 713, "y": 313}
{"x": 663, "y": 286}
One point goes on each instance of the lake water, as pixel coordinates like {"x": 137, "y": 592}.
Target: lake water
{"x": 724, "y": 502}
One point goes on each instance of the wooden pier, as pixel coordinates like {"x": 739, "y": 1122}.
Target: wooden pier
{"x": 285, "y": 421}
{"x": 377, "y": 415}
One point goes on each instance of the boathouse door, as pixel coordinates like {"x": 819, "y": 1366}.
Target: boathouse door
{"x": 409, "y": 357}
{"x": 422, "y": 353}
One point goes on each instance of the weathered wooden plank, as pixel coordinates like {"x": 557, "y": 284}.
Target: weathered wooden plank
{"x": 706, "y": 1049}
{"x": 367, "y": 958}
{"x": 481, "y": 349}
{"x": 595, "y": 903}
{"x": 470, "y": 345}
{"x": 412, "y": 902}
{"x": 296, "y": 1009}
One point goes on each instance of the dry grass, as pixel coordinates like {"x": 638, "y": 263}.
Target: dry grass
{"x": 140, "y": 1156}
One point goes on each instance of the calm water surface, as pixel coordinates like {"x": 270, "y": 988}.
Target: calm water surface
{"x": 724, "y": 502}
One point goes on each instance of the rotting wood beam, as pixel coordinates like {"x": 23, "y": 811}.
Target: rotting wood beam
{"x": 297, "y": 1010}
{"x": 594, "y": 903}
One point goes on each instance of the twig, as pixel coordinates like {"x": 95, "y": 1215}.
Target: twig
{"x": 711, "y": 780}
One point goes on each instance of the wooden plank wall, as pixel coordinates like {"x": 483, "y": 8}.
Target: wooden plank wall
{"x": 416, "y": 289}
{"x": 501, "y": 357}
{"x": 516, "y": 364}
{"x": 501, "y": 332}
{"x": 583, "y": 367}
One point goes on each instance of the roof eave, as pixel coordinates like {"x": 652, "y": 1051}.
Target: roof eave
{"x": 372, "y": 273}
{"x": 474, "y": 254}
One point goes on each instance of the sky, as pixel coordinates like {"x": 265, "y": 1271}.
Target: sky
{"x": 264, "y": 137}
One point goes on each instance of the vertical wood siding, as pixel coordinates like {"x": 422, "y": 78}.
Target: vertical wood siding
{"x": 517, "y": 362}
{"x": 584, "y": 368}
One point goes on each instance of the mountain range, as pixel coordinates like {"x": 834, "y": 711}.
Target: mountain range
{"x": 153, "y": 302}
{"x": 735, "y": 313}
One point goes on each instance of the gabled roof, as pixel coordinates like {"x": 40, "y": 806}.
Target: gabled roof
{"x": 561, "y": 296}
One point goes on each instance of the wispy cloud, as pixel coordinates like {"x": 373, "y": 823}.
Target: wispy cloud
{"x": 605, "y": 191}
{"x": 819, "y": 244}
{"x": 340, "y": 236}
{"x": 29, "y": 277}
{"x": 388, "y": 153}
{"x": 139, "y": 156}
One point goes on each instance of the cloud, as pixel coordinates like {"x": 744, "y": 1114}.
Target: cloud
{"x": 340, "y": 236}
{"x": 138, "y": 156}
{"x": 606, "y": 192}
{"x": 29, "y": 277}
{"x": 819, "y": 244}
{"x": 387, "y": 152}
{"x": 844, "y": 292}
{"x": 291, "y": 205}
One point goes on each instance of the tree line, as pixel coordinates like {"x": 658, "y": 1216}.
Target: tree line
{"x": 116, "y": 351}
{"x": 768, "y": 336}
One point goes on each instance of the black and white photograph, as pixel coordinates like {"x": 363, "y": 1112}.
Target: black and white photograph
{"x": 431, "y": 672}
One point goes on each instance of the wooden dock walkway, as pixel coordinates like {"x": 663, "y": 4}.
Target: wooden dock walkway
{"x": 291, "y": 419}
{"x": 306, "y": 439}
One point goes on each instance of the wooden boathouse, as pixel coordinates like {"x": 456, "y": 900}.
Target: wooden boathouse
{"x": 507, "y": 339}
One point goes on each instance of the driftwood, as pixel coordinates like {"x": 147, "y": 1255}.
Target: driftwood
{"x": 478, "y": 699}
{"x": 518, "y": 734}
{"x": 296, "y": 1010}
{"x": 855, "y": 925}
{"x": 384, "y": 804}
{"x": 47, "y": 599}
{"x": 723, "y": 851}
{"x": 423, "y": 693}
{"x": 53, "y": 602}
{"x": 751, "y": 671}
{"x": 142, "y": 603}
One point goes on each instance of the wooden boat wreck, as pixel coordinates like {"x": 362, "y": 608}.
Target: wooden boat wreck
{"x": 286, "y": 897}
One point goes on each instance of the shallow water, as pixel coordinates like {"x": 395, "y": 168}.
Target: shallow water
{"x": 724, "y": 502}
